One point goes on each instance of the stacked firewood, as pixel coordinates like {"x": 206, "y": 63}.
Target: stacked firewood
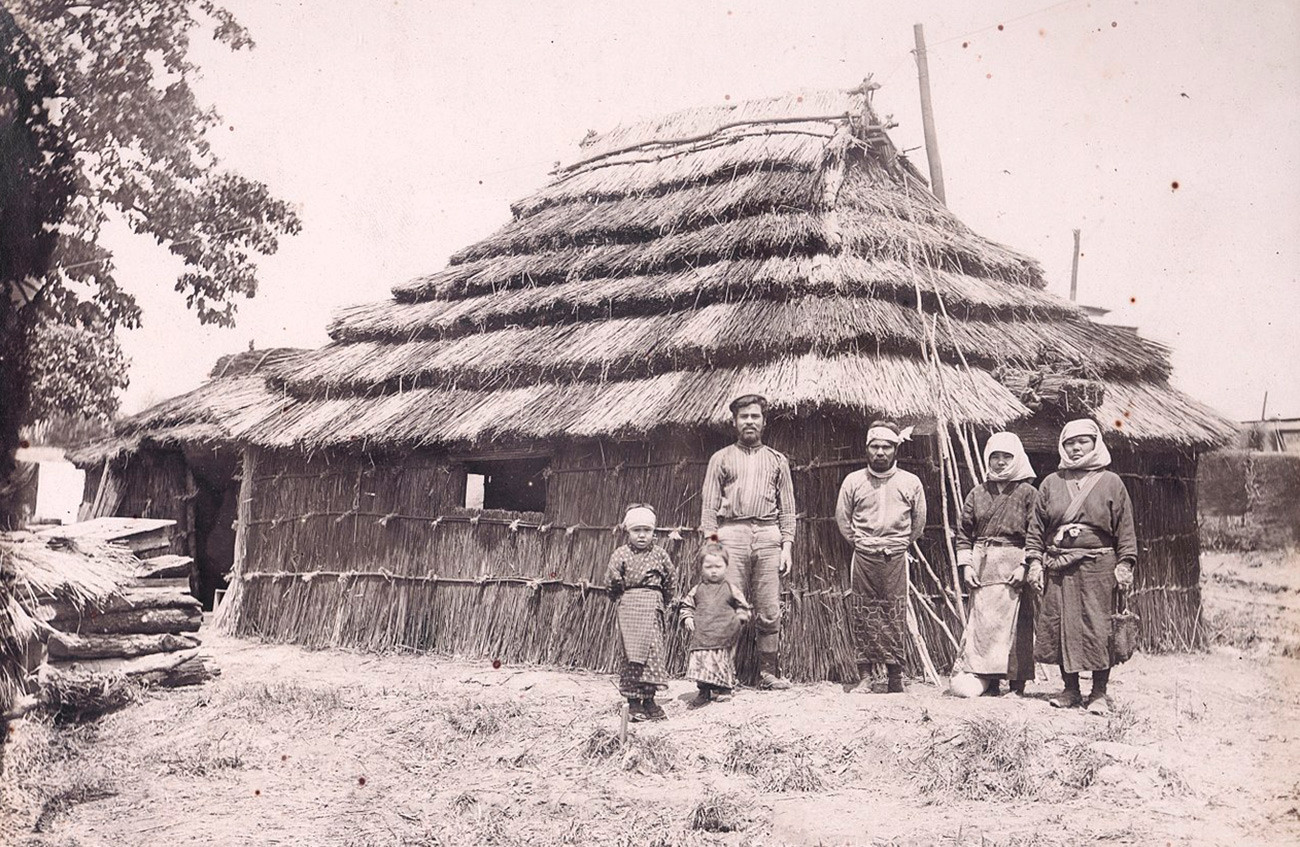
{"x": 147, "y": 630}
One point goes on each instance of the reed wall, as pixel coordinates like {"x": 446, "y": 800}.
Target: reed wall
{"x": 375, "y": 551}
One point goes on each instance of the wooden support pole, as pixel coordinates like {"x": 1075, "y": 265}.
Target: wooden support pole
{"x": 1074, "y": 270}
{"x": 927, "y": 116}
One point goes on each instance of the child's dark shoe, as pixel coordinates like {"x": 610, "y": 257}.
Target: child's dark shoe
{"x": 655, "y": 712}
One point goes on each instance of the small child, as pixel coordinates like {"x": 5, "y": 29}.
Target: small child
{"x": 713, "y": 613}
{"x": 641, "y": 578}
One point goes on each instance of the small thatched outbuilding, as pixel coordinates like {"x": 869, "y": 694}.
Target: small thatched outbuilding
{"x": 178, "y": 460}
{"x": 447, "y": 474}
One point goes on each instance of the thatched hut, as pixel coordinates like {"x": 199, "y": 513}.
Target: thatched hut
{"x": 178, "y": 461}
{"x": 447, "y": 473}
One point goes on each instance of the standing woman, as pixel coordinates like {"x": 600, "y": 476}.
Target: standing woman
{"x": 999, "y": 639}
{"x": 1081, "y": 535}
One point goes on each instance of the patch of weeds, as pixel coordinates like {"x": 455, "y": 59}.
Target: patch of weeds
{"x": 777, "y": 765}
{"x": 260, "y": 702}
{"x": 1081, "y": 766}
{"x": 210, "y": 758}
{"x": 799, "y": 773}
{"x": 1172, "y": 782}
{"x": 77, "y": 697}
{"x": 1120, "y": 723}
{"x": 1242, "y": 629}
{"x": 464, "y": 802}
{"x": 472, "y": 717}
{"x": 519, "y": 757}
{"x": 718, "y": 812}
{"x": 649, "y": 754}
{"x": 987, "y": 758}
{"x": 79, "y": 792}
{"x": 601, "y": 744}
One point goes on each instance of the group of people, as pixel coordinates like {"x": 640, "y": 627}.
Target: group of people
{"x": 1043, "y": 567}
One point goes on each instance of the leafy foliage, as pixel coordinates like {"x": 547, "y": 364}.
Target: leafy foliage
{"x": 118, "y": 94}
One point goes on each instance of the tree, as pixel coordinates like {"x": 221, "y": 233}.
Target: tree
{"x": 98, "y": 118}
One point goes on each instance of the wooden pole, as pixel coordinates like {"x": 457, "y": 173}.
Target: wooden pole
{"x": 927, "y": 116}
{"x": 1074, "y": 270}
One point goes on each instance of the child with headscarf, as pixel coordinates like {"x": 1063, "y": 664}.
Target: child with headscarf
{"x": 1081, "y": 547}
{"x": 713, "y": 613}
{"x": 999, "y": 638}
{"x": 641, "y": 578}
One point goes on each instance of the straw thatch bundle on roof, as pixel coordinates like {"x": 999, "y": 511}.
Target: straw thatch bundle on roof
{"x": 220, "y": 410}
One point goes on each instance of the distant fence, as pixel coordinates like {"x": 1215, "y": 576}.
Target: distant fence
{"x": 1249, "y": 500}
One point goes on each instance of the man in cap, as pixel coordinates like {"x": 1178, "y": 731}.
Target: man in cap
{"x": 748, "y": 503}
{"x": 881, "y": 511}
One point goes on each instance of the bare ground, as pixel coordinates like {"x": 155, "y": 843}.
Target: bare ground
{"x": 331, "y": 747}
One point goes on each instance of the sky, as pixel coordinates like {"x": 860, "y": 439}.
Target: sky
{"x": 1167, "y": 132}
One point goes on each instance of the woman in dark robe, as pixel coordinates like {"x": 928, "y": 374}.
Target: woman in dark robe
{"x": 1081, "y": 547}
{"x": 999, "y": 638}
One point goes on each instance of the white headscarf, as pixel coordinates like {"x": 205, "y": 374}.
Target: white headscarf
{"x": 639, "y": 516}
{"x": 1008, "y": 442}
{"x": 1093, "y": 460}
{"x": 889, "y": 436}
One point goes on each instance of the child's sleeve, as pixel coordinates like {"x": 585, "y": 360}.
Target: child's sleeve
{"x": 670, "y": 578}
{"x": 615, "y": 575}
{"x": 687, "y": 611}
{"x": 738, "y": 600}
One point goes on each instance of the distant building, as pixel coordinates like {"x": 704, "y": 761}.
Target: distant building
{"x": 1274, "y": 435}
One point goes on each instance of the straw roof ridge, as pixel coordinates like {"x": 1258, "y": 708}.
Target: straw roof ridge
{"x": 713, "y": 119}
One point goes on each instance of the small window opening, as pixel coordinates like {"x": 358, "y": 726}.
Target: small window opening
{"x": 516, "y": 485}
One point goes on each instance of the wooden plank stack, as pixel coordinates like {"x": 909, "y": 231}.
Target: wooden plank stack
{"x": 149, "y": 630}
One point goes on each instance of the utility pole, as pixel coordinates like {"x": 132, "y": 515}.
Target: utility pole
{"x": 927, "y": 116}
{"x": 1074, "y": 270}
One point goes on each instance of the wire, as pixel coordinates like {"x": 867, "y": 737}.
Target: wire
{"x": 1003, "y": 22}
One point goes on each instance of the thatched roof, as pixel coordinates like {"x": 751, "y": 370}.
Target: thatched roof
{"x": 235, "y": 397}
{"x": 780, "y": 245}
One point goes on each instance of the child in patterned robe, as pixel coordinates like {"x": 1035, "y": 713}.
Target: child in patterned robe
{"x": 641, "y": 578}
{"x": 713, "y": 613}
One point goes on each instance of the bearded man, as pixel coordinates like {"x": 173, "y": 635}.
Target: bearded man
{"x": 748, "y": 504}
{"x": 881, "y": 511}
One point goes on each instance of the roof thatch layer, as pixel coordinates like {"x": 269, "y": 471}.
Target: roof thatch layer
{"x": 235, "y": 397}
{"x": 779, "y": 245}
{"x": 426, "y": 416}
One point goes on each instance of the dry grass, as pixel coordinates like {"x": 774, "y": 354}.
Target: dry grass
{"x": 985, "y": 758}
{"x": 777, "y": 764}
{"x": 644, "y": 753}
{"x": 82, "y": 697}
{"x": 718, "y": 812}
{"x": 476, "y": 718}
{"x": 208, "y": 758}
{"x": 259, "y": 702}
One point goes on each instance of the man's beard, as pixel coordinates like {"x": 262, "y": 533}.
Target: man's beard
{"x": 881, "y": 465}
